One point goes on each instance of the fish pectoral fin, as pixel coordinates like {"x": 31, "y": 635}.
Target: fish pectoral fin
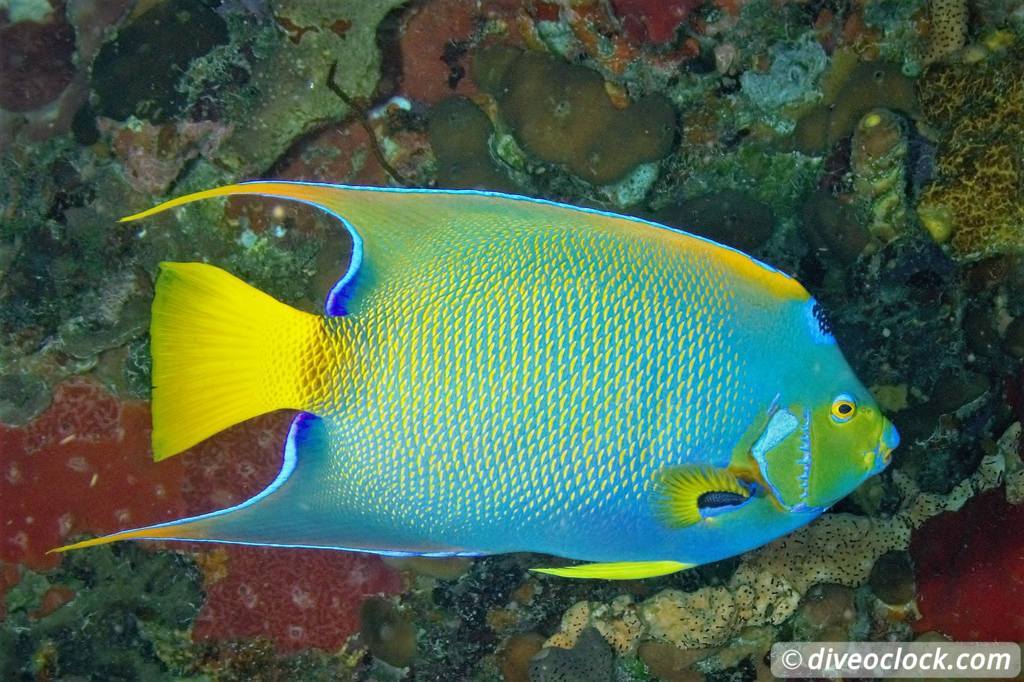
{"x": 687, "y": 495}
{"x": 617, "y": 570}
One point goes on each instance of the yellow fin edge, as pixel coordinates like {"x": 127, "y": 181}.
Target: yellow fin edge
{"x": 226, "y": 190}
{"x": 150, "y": 533}
{"x": 617, "y": 570}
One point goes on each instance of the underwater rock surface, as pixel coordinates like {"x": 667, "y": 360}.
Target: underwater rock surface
{"x": 873, "y": 149}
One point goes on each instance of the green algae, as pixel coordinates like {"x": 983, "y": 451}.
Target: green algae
{"x": 778, "y": 179}
{"x": 125, "y": 600}
{"x": 901, "y": 43}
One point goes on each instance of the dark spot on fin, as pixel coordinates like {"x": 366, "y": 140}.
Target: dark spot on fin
{"x": 685, "y": 495}
{"x": 715, "y": 499}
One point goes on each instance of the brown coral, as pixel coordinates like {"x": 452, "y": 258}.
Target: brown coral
{"x": 978, "y": 197}
{"x": 562, "y": 114}
{"x": 852, "y": 89}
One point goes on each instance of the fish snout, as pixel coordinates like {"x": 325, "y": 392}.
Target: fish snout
{"x": 889, "y": 441}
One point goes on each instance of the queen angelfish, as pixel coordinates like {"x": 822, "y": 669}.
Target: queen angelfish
{"x": 501, "y": 374}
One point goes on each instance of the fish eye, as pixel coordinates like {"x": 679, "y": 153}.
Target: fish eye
{"x": 843, "y": 408}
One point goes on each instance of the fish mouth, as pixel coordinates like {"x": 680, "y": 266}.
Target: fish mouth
{"x": 887, "y": 442}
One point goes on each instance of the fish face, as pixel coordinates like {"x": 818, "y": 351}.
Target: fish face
{"x": 810, "y": 458}
{"x": 850, "y": 441}
{"x": 828, "y": 435}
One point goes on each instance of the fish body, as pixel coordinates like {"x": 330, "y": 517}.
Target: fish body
{"x": 499, "y": 374}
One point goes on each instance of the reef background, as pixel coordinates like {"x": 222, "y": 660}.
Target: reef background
{"x": 872, "y": 148}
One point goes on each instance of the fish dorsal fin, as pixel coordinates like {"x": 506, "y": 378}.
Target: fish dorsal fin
{"x": 392, "y": 227}
{"x": 617, "y": 570}
{"x": 393, "y": 230}
{"x": 387, "y": 226}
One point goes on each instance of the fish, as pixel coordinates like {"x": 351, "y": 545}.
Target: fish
{"x": 495, "y": 374}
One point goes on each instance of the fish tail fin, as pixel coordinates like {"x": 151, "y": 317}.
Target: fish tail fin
{"x": 224, "y": 352}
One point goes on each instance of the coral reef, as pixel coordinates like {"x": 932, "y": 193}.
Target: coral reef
{"x": 516, "y": 655}
{"x": 970, "y": 565}
{"x": 86, "y": 456}
{"x": 460, "y": 134}
{"x": 976, "y": 201}
{"x": 387, "y": 632}
{"x": 151, "y": 43}
{"x": 153, "y": 156}
{"x": 287, "y": 106}
{"x": 435, "y": 43}
{"x": 892, "y": 576}
{"x": 834, "y": 228}
{"x": 111, "y": 613}
{"x": 297, "y": 599}
{"x": 590, "y": 658}
{"x": 850, "y": 90}
{"x": 728, "y": 216}
{"x": 792, "y": 78}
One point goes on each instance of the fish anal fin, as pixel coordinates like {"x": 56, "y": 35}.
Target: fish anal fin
{"x": 616, "y": 570}
{"x": 307, "y": 433}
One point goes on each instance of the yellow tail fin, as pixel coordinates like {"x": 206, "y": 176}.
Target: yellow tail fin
{"x": 223, "y": 352}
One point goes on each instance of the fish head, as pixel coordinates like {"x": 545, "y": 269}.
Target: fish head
{"x": 826, "y": 435}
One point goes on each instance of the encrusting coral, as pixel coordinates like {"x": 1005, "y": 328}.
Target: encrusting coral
{"x": 459, "y": 134}
{"x": 977, "y": 200}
